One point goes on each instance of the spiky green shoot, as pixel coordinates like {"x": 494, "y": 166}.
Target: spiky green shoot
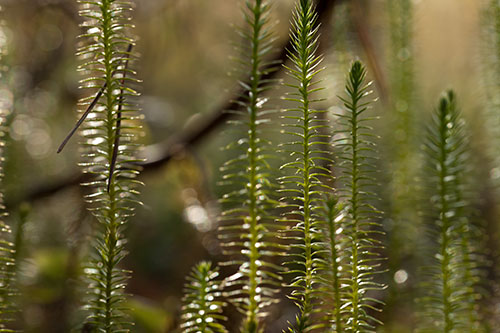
{"x": 249, "y": 232}
{"x": 331, "y": 264}
{"x": 110, "y": 131}
{"x": 307, "y": 171}
{"x": 451, "y": 304}
{"x": 7, "y": 248}
{"x": 202, "y": 307}
{"x": 356, "y": 163}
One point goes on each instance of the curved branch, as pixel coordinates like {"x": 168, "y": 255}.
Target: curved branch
{"x": 191, "y": 137}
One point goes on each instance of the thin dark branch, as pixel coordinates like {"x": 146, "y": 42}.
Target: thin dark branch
{"x": 116, "y": 143}
{"x": 194, "y": 134}
{"x": 93, "y": 104}
{"x": 82, "y": 118}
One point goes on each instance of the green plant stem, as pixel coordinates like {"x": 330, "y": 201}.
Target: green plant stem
{"x": 451, "y": 305}
{"x": 202, "y": 309}
{"x": 307, "y": 167}
{"x": 111, "y": 236}
{"x": 445, "y": 228}
{"x": 467, "y": 242}
{"x": 248, "y": 234}
{"x": 355, "y": 218}
{"x": 304, "y": 92}
{"x": 467, "y": 277}
{"x": 204, "y": 306}
{"x": 332, "y": 212}
{"x": 356, "y": 181}
{"x": 402, "y": 147}
{"x": 251, "y": 324}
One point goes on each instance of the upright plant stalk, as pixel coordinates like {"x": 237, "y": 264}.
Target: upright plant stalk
{"x": 7, "y": 248}
{"x": 249, "y": 233}
{"x": 305, "y": 183}
{"x": 491, "y": 79}
{"x": 402, "y": 68}
{"x": 401, "y": 147}
{"x": 331, "y": 264}
{"x": 110, "y": 133}
{"x": 355, "y": 180}
{"x": 202, "y": 308}
{"x": 451, "y": 305}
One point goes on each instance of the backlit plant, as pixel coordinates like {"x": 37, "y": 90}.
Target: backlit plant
{"x": 7, "y": 248}
{"x": 110, "y": 132}
{"x": 308, "y": 236}
{"x": 304, "y": 188}
{"x": 356, "y": 185}
{"x": 249, "y": 232}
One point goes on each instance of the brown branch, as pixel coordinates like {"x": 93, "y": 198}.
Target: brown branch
{"x": 193, "y": 135}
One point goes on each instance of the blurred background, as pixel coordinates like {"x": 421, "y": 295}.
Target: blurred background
{"x": 414, "y": 50}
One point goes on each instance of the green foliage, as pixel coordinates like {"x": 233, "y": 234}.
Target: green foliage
{"x": 7, "y": 248}
{"x": 305, "y": 185}
{"x": 7, "y": 275}
{"x": 401, "y": 138}
{"x": 110, "y": 133}
{"x": 249, "y": 232}
{"x": 491, "y": 78}
{"x": 451, "y": 304}
{"x": 402, "y": 66}
{"x": 401, "y": 157}
{"x": 202, "y": 308}
{"x": 329, "y": 233}
{"x": 356, "y": 164}
{"x": 331, "y": 264}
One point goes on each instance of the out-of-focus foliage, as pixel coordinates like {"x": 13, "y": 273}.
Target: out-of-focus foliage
{"x": 7, "y": 247}
{"x": 184, "y": 48}
{"x": 450, "y": 289}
